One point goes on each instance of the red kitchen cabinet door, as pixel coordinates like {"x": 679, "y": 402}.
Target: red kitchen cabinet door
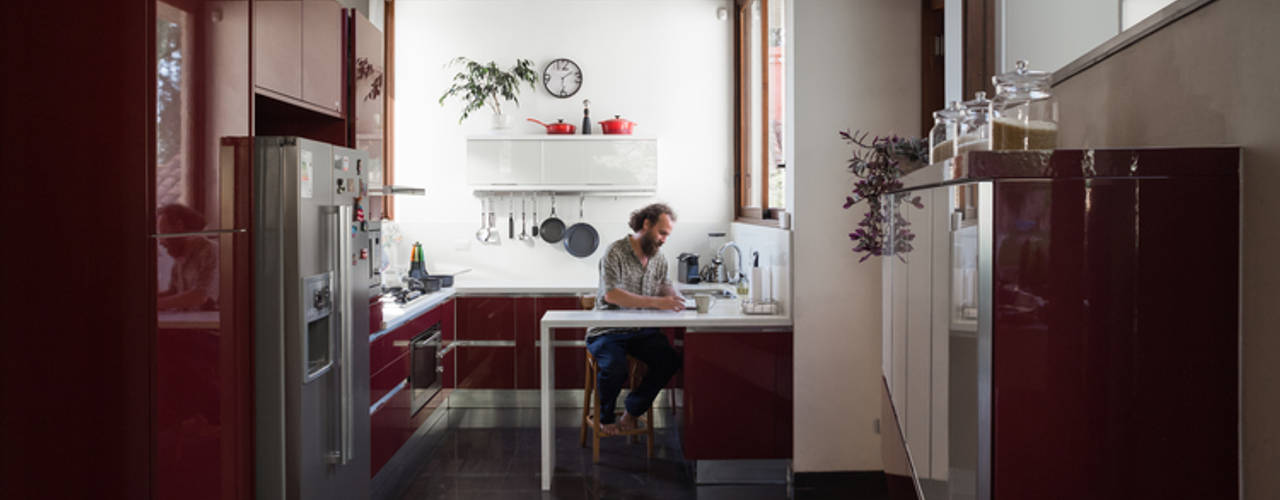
{"x": 388, "y": 429}
{"x": 322, "y": 54}
{"x": 204, "y": 393}
{"x": 277, "y": 31}
{"x": 723, "y": 372}
{"x": 486, "y": 318}
{"x": 485, "y": 367}
{"x": 526, "y": 337}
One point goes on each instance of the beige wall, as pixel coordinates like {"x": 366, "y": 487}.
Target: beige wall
{"x": 857, "y": 66}
{"x": 1210, "y": 78}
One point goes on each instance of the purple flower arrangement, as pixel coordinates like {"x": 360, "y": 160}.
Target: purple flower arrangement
{"x": 878, "y": 166}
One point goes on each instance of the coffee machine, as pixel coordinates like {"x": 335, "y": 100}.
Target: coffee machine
{"x": 688, "y": 270}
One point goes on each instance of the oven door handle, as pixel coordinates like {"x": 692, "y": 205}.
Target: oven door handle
{"x": 434, "y": 339}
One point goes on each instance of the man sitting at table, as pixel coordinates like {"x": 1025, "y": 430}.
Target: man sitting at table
{"x": 633, "y": 275}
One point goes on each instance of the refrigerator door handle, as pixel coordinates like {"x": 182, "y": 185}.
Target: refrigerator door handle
{"x": 342, "y": 309}
{"x": 347, "y": 418}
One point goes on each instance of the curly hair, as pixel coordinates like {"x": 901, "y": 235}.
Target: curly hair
{"x": 650, "y": 213}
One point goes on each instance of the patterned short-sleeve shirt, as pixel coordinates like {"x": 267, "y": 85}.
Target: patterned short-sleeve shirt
{"x": 620, "y": 268}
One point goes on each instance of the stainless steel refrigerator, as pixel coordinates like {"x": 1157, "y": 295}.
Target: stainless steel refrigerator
{"x": 311, "y": 321}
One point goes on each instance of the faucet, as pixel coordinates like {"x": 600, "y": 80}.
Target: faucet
{"x": 737, "y": 269}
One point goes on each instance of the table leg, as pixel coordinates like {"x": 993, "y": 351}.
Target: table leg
{"x": 548, "y": 385}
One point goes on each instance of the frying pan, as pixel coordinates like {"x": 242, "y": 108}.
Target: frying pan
{"x": 553, "y": 228}
{"x": 581, "y": 239}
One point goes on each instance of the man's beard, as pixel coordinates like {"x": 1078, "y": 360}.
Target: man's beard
{"x": 649, "y": 245}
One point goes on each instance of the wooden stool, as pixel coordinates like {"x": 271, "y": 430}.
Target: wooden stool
{"x": 591, "y": 407}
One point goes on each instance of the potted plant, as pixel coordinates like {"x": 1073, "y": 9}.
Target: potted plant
{"x": 879, "y": 165}
{"x": 479, "y": 85}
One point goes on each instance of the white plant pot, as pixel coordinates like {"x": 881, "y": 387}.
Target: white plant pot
{"x": 502, "y": 121}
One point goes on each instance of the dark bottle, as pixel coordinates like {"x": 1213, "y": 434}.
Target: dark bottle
{"x": 586, "y": 117}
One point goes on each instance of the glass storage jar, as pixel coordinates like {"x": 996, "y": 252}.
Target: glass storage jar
{"x": 975, "y": 127}
{"x": 1024, "y": 114}
{"x": 945, "y": 131}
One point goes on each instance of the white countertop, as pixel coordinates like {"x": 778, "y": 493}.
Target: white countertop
{"x": 725, "y": 313}
{"x": 394, "y": 315}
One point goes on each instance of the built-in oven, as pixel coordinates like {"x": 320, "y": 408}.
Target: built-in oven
{"x": 425, "y": 375}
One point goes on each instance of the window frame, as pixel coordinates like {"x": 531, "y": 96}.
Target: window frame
{"x": 763, "y": 214}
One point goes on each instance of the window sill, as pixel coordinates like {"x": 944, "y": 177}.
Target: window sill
{"x": 756, "y": 221}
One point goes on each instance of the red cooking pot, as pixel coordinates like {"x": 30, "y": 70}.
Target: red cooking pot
{"x": 617, "y": 125}
{"x": 557, "y": 128}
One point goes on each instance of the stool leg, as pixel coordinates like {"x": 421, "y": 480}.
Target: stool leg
{"x": 588, "y": 387}
{"x": 595, "y": 435}
{"x": 634, "y": 381}
{"x": 648, "y": 440}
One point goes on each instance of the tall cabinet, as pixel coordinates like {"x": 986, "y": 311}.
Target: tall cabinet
{"x": 1064, "y": 325}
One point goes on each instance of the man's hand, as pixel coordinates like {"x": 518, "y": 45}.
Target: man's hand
{"x": 668, "y": 303}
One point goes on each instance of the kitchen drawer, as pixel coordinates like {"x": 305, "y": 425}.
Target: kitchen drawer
{"x": 389, "y": 347}
{"x": 484, "y": 367}
{"x": 387, "y": 429}
{"x": 384, "y": 381}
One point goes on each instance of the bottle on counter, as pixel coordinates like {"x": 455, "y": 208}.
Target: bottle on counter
{"x": 586, "y": 117}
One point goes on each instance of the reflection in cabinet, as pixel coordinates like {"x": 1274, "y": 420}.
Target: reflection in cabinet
{"x": 1036, "y": 341}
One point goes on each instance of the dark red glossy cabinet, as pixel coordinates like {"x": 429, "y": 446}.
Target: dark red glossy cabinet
{"x": 1065, "y": 324}
{"x": 392, "y": 420}
{"x": 737, "y": 395}
{"x": 485, "y": 355}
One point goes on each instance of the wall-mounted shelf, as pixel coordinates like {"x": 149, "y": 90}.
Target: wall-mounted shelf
{"x": 576, "y": 164}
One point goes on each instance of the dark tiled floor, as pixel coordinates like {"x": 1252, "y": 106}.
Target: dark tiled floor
{"x": 494, "y": 454}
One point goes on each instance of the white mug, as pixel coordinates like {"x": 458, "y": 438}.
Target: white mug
{"x": 704, "y": 303}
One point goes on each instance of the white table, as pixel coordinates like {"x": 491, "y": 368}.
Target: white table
{"x": 724, "y": 314}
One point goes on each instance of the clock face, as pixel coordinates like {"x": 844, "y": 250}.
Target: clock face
{"x": 562, "y": 78}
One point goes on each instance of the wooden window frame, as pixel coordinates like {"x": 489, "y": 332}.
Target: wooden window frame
{"x": 389, "y": 106}
{"x": 762, "y": 215}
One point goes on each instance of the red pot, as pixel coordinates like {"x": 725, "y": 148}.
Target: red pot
{"x": 557, "y": 128}
{"x": 617, "y": 125}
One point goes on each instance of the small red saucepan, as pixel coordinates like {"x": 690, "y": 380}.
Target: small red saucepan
{"x": 557, "y": 128}
{"x": 617, "y": 125}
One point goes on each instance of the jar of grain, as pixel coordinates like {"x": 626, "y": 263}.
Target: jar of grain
{"x": 975, "y": 128}
{"x": 1024, "y": 114}
{"x": 946, "y": 128}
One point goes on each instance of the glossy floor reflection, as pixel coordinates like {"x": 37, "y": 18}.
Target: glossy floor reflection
{"x": 494, "y": 454}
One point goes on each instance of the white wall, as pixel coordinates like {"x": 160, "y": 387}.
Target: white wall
{"x": 1051, "y": 33}
{"x": 857, "y": 67}
{"x": 664, "y": 64}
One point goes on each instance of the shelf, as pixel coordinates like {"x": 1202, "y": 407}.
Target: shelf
{"x": 588, "y": 190}
{"x": 566, "y": 137}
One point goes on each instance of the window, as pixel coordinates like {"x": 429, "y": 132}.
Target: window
{"x": 174, "y": 158}
{"x": 760, "y": 70}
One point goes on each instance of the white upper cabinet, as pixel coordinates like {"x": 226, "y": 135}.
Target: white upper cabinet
{"x": 576, "y": 163}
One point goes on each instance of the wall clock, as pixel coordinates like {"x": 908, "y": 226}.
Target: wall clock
{"x": 562, "y": 78}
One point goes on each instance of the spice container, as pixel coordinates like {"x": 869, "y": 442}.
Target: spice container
{"x": 1024, "y": 114}
{"x": 975, "y": 127}
{"x": 946, "y": 129}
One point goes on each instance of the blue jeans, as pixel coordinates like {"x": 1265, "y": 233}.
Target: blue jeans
{"x": 611, "y": 349}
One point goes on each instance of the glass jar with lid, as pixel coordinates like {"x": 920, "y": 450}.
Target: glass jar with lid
{"x": 975, "y": 128}
{"x": 945, "y": 131}
{"x": 1024, "y": 114}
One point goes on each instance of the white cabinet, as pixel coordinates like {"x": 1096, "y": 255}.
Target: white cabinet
{"x": 577, "y": 163}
